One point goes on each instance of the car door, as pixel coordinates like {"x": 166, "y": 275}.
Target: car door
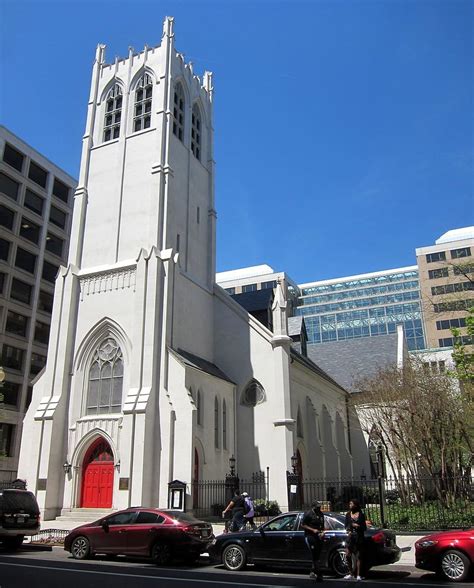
{"x": 334, "y": 533}
{"x": 145, "y": 530}
{"x": 273, "y": 542}
{"x": 112, "y": 537}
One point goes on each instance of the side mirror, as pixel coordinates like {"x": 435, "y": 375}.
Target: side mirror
{"x": 262, "y": 532}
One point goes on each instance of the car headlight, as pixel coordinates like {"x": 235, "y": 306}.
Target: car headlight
{"x": 427, "y": 543}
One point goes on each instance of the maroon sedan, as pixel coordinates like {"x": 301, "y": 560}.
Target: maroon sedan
{"x": 142, "y": 532}
{"x": 449, "y": 553}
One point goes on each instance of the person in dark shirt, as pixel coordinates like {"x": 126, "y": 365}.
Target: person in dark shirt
{"x": 313, "y": 525}
{"x": 237, "y": 505}
{"x": 356, "y": 526}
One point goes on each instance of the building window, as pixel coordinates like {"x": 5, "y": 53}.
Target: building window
{"x": 253, "y": 394}
{"x": 25, "y": 260}
{"x": 230, "y": 290}
{"x": 143, "y": 95}
{"x": 16, "y": 323}
{"x": 105, "y": 379}
{"x": 8, "y": 186}
{"x": 463, "y": 269}
{"x": 450, "y": 288}
{"x": 439, "y": 256}
{"x": 34, "y": 202}
{"x": 113, "y": 113}
{"x": 13, "y": 157}
{"x": 57, "y": 217}
{"x": 21, "y": 291}
{"x": 29, "y": 394}
{"x": 2, "y": 281}
{"x": 196, "y": 133}
{"x": 6, "y": 439}
{"x": 299, "y": 425}
{"x": 199, "y": 407}
{"x": 457, "y": 323}
{"x": 37, "y": 363}
{"x": 38, "y": 174}
{"x": 45, "y": 301}
{"x": 11, "y": 393}
{"x": 224, "y": 425}
{"x": 12, "y": 357}
{"x": 271, "y": 284}
{"x": 60, "y": 190}
{"x": 7, "y": 217}
{"x": 29, "y": 230}
{"x": 216, "y": 423}
{"x": 54, "y": 244}
{"x": 249, "y": 288}
{"x": 458, "y": 253}
{"x": 198, "y": 215}
{"x": 438, "y": 273}
{"x": 4, "y": 249}
{"x": 178, "y": 112}
{"x": 50, "y": 271}
{"x": 42, "y": 332}
{"x": 453, "y": 305}
{"x": 177, "y": 242}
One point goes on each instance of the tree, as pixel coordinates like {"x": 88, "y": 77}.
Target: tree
{"x": 423, "y": 421}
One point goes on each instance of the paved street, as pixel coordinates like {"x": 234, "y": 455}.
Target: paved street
{"x": 53, "y": 567}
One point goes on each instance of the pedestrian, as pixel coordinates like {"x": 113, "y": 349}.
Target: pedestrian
{"x": 356, "y": 526}
{"x": 237, "y": 506}
{"x": 249, "y": 511}
{"x": 313, "y": 525}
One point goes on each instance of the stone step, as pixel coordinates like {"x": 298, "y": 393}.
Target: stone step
{"x": 83, "y": 514}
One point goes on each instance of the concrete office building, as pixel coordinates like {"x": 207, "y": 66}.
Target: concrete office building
{"x": 446, "y": 272}
{"x": 35, "y": 219}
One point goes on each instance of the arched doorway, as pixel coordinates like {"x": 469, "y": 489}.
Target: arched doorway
{"x": 98, "y": 476}
{"x": 299, "y": 473}
{"x": 196, "y": 479}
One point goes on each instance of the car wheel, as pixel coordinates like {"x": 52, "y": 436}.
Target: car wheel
{"x": 161, "y": 554}
{"x": 339, "y": 563}
{"x": 81, "y": 548}
{"x": 234, "y": 557}
{"x": 454, "y": 566}
{"x": 13, "y": 542}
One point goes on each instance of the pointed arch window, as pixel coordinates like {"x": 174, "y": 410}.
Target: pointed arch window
{"x": 196, "y": 133}
{"x": 178, "y": 112}
{"x": 199, "y": 407}
{"x": 113, "y": 113}
{"x": 299, "y": 425}
{"x": 216, "y": 423}
{"x": 105, "y": 382}
{"x": 224, "y": 425}
{"x": 143, "y": 97}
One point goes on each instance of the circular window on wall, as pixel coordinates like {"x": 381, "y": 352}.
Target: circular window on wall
{"x": 253, "y": 394}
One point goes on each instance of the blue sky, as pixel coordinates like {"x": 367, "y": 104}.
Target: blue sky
{"x": 344, "y": 134}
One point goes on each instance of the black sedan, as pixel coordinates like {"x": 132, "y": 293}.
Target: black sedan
{"x": 280, "y": 542}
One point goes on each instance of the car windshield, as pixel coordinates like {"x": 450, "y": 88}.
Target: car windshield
{"x": 14, "y": 500}
{"x": 340, "y": 521}
{"x": 181, "y": 516}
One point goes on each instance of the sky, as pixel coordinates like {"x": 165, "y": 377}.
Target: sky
{"x": 344, "y": 129}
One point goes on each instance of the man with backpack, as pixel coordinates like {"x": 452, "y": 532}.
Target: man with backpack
{"x": 249, "y": 511}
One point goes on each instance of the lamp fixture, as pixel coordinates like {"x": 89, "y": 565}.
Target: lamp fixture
{"x": 232, "y": 465}
{"x": 67, "y": 467}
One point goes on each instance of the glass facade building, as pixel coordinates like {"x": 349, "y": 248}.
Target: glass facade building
{"x": 364, "y": 306}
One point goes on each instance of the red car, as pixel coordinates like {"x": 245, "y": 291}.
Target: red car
{"x": 449, "y": 553}
{"x": 144, "y": 532}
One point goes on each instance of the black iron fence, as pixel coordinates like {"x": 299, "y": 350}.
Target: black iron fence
{"x": 50, "y": 537}
{"x": 210, "y": 497}
{"x": 17, "y": 484}
{"x": 403, "y": 503}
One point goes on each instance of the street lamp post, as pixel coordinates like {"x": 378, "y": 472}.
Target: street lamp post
{"x": 379, "y": 452}
{"x": 231, "y": 479}
{"x": 293, "y": 482}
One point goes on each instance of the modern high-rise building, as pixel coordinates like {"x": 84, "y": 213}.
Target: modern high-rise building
{"x": 364, "y": 305}
{"x": 446, "y": 272}
{"x": 35, "y": 217}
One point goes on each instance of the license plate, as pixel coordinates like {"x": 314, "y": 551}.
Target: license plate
{"x": 205, "y": 533}
{"x": 20, "y": 519}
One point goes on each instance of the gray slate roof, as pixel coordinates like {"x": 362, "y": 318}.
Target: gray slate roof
{"x": 199, "y": 363}
{"x": 349, "y": 360}
{"x": 310, "y": 364}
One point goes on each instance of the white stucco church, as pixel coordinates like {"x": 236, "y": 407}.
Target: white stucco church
{"x": 154, "y": 372}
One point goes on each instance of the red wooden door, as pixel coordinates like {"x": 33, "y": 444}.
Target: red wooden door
{"x": 98, "y": 476}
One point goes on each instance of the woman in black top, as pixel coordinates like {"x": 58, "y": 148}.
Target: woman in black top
{"x": 355, "y": 527}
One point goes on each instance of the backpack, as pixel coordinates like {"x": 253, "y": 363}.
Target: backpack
{"x": 248, "y": 507}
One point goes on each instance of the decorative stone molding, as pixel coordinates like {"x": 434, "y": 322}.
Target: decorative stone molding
{"x": 107, "y": 281}
{"x": 289, "y": 423}
{"x": 281, "y": 341}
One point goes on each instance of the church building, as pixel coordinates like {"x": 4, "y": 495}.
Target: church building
{"x": 154, "y": 372}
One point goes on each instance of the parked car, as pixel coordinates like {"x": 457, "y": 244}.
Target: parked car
{"x": 145, "y": 532}
{"x": 280, "y": 542}
{"x": 448, "y": 553}
{"x": 19, "y": 516}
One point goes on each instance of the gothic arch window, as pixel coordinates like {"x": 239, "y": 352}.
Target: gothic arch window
{"x": 113, "y": 113}
{"x": 224, "y": 425}
{"x": 178, "y": 112}
{"x": 196, "y": 132}
{"x": 199, "y": 407}
{"x": 143, "y": 96}
{"x": 253, "y": 394}
{"x": 105, "y": 381}
{"x": 299, "y": 425}
{"x": 216, "y": 423}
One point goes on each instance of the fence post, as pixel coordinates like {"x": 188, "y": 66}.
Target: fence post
{"x": 381, "y": 483}
{"x": 267, "y": 485}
